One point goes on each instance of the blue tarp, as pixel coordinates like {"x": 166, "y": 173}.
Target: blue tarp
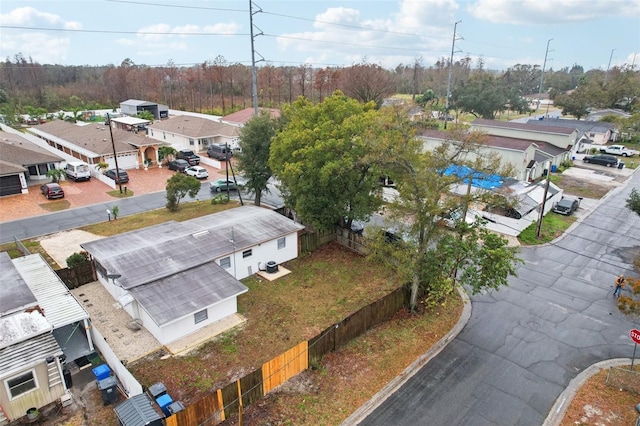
{"x": 478, "y": 179}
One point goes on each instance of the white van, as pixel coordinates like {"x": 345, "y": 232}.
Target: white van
{"x": 77, "y": 170}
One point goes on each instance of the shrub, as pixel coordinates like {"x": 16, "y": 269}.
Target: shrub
{"x": 77, "y": 259}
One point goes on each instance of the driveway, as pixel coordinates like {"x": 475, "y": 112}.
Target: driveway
{"x": 524, "y": 343}
{"x": 80, "y": 194}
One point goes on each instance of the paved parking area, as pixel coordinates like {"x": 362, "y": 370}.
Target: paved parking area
{"x": 79, "y": 194}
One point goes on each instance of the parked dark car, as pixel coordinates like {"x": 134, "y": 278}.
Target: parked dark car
{"x": 189, "y": 156}
{"x": 122, "y": 177}
{"x": 178, "y": 165}
{"x": 222, "y": 184}
{"x": 602, "y": 159}
{"x": 566, "y": 206}
{"x": 52, "y": 190}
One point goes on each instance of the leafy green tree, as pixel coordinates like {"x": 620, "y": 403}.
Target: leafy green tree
{"x": 322, "y": 158}
{"x": 633, "y": 202}
{"x": 576, "y": 103}
{"x": 253, "y": 157}
{"x": 146, "y": 115}
{"x": 55, "y": 174}
{"x": 430, "y": 257}
{"x": 427, "y": 98}
{"x": 166, "y": 152}
{"x": 178, "y": 186}
{"x": 482, "y": 95}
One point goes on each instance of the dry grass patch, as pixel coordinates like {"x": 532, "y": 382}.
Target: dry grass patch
{"x": 597, "y": 403}
{"x": 322, "y": 289}
{"x": 55, "y": 206}
{"x": 347, "y": 378}
{"x": 580, "y": 187}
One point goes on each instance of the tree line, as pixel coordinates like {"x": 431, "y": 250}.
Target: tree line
{"x": 219, "y": 87}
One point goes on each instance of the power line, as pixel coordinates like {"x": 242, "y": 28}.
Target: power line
{"x": 119, "y": 32}
{"x": 178, "y": 6}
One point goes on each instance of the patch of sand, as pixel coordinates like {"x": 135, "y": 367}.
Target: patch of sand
{"x": 63, "y": 244}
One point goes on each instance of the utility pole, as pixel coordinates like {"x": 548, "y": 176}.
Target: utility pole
{"x": 115, "y": 156}
{"x": 544, "y": 201}
{"x": 254, "y": 72}
{"x": 606, "y": 75}
{"x": 544, "y": 65}
{"x": 453, "y": 46}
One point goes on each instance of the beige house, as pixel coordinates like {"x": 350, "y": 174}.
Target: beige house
{"x": 92, "y": 143}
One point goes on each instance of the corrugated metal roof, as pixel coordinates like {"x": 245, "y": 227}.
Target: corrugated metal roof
{"x": 15, "y": 295}
{"x": 157, "y": 252}
{"x": 207, "y": 285}
{"x": 137, "y": 411}
{"x": 15, "y": 357}
{"x": 60, "y": 307}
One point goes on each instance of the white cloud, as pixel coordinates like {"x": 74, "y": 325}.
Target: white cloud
{"x": 540, "y": 12}
{"x": 43, "y": 47}
{"x": 387, "y": 40}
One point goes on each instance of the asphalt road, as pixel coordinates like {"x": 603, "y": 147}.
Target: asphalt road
{"x": 524, "y": 343}
{"x": 74, "y": 218}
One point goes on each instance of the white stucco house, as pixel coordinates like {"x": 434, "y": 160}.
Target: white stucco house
{"x": 178, "y": 277}
{"x": 192, "y": 132}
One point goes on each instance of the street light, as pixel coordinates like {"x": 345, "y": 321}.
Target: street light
{"x": 115, "y": 156}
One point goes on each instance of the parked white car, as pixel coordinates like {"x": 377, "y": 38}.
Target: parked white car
{"x": 618, "y": 150}
{"x": 197, "y": 171}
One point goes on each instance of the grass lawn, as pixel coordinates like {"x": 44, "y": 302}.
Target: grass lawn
{"x": 323, "y": 288}
{"x": 553, "y": 225}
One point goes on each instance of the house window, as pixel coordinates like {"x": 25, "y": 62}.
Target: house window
{"x": 225, "y": 262}
{"x": 191, "y": 142}
{"x": 164, "y": 135}
{"x": 200, "y": 316}
{"x": 247, "y": 253}
{"x": 21, "y": 384}
{"x": 282, "y": 243}
{"x": 592, "y": 135}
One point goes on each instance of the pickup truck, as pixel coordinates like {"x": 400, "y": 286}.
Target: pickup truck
{"x": 189, "y": 156}
{"x": 618, "y": 150}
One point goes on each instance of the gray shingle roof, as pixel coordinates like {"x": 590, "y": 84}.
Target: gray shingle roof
{"x": 523, "y": 126}
{"x": 582, "y": 125}
{"x": 16, "y": 153}
{"x": 94, "y": 138}
{"x": 157, "y": 252}
{"x": 197, "y": 288}
{"x": 195, "y": 127}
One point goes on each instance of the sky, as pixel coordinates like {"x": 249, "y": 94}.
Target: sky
{"x": 595, "y": 34}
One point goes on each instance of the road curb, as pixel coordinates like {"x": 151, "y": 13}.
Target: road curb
{"x": 368, "y": 407}
{"x": 560, "y": 407}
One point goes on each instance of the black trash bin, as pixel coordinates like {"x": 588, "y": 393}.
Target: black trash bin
{"x": 109, "y": 390}
{"x": 620, "y": 164}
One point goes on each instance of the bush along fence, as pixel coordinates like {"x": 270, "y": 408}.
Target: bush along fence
{"x": 230, "y": 400}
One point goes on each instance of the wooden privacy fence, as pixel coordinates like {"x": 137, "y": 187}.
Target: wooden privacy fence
{"x": 223, "y": 403}
{"x": 81, "y": 274}
{"x": 310, "y": 241}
